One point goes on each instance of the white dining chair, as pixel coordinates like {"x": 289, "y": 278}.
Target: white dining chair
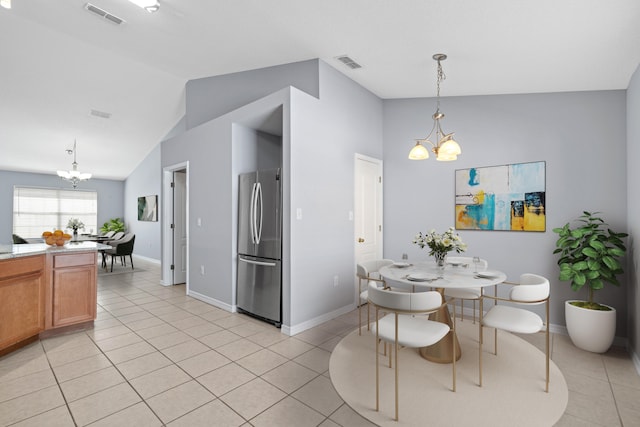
{"x": 406, "y": 324}
{"x": 532, "y": 290}
{"x": 462, "y": 294}
{"x": 367, "y": 271}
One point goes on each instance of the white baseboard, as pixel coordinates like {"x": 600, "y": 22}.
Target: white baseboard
{"x": 214, "y": 302}
{"x": 308, "y": 324}
{"x": 152, "y": 260}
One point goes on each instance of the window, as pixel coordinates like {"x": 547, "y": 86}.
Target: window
{"x": 39, "y": 209}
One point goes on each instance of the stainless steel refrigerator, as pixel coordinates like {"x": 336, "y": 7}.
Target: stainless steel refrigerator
{"x": 259, "y": 287}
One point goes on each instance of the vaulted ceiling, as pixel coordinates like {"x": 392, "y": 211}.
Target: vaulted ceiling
{"x": 62, "y": 67}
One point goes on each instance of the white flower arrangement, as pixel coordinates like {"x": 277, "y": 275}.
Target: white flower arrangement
{"x": 440, "y": 244}
{"x": 75, "y": 224}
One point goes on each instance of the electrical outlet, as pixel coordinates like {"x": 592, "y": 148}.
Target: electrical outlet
{"x": 336, "y": 281}
{"x": 202, "y": 270}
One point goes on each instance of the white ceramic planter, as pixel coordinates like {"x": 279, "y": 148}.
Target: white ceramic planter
{"x": 590, "y": 330}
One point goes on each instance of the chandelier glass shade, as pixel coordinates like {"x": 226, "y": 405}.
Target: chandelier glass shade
{"x": 74, "y": 176}
{"x": 446, "y": 148}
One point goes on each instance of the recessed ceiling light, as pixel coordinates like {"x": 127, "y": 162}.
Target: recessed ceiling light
{"x": 148, "y": 5}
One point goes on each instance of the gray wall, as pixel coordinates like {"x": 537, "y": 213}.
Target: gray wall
{"x": 582, "y": 138}
{"x": 145, "y": 180}
{"x": 320, "y": 138}
{"x": 110, "y": 196}
{"x": 633, "y": 200}
{"x": 212, "y": 97}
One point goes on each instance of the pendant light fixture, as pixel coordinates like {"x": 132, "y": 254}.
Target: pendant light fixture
{"x": 447, "y": 149}
{"x": 74, "y": 176}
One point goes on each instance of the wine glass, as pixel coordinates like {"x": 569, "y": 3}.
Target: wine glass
{"x": 476, "y": 262}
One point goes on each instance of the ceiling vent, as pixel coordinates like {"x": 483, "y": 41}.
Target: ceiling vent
{"x": 101, "y": 114}
{"x": 349, "y": 62}
{"x": 104, "y": 14}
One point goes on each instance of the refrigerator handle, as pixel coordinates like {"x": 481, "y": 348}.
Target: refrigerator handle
{"x": 252, "y": 214}
{"x": 267, "y": 264}
{"x": 259, "y": 200}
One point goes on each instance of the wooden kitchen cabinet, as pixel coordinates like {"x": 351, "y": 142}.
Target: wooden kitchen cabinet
{"x": 73, "y": 295}
{"x": 22, "y": 299}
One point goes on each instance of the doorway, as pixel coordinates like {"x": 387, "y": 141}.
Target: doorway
{"x": 175, "y": 248}
{"x": 367, "y": 209}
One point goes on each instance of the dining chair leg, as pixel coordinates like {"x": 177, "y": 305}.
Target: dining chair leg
{"x": 395, "y": 351}
{"x": 474, "y": 312}
{"x": 547, "y": 344}
{"x": 480, "y": 344}
{"x": 495, "y": 341}
{"x": 453, "y": 344}
{"x": 377, "y": 365}
{"x": 397, "y": 367}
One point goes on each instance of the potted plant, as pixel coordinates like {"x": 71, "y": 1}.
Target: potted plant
{"x": 590, "y": 256}
{"x": 114, "y": 224}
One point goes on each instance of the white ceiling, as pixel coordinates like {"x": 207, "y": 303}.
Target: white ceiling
{"x": 58, "y": 61}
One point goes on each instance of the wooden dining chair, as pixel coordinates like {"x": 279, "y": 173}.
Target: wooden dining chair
{"x": 367, "y": 271}
{"x": 532, "y": 290}
{"x": 405, "y": 323}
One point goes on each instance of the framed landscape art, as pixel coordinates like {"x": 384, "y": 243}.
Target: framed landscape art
{"x": 508, "y": 197}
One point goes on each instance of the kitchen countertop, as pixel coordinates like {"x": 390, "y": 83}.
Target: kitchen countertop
{"x": 16, "y": 251}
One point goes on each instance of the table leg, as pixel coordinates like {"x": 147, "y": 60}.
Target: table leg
{"x": 442, "y": 351}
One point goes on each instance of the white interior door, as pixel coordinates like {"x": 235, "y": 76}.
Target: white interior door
{"x": 368, "y": 208}
{"x": 179, "y": 227}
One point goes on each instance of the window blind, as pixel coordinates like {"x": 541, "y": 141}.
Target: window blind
{"x": 39, "y": 209}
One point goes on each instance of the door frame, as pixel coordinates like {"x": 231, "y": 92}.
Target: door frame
{"x": 167, "y": 219}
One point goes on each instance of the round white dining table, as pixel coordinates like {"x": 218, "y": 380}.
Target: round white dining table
{"x": 423, "y": 276}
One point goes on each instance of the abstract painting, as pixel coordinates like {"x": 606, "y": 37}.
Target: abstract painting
{"x": 148, "y": 208}
{"x": 507, "y": 197}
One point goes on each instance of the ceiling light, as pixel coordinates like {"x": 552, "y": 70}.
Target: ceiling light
{"x": 6, "y": 4}
{"x": 74, "y": 176}
{"x": 447, "y": 149}
{"x": 148, "y": 5}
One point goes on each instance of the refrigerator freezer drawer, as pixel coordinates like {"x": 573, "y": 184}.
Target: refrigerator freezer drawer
{"x": 259, "y": 288}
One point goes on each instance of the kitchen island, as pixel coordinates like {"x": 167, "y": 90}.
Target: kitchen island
{"x": 46, "y": 290}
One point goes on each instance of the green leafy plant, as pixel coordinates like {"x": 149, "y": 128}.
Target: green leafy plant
{"x": 114, "y": 224}
{"x": 589, "y": 255}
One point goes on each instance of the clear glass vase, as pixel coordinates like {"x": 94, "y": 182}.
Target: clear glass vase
{"x": 439, "y": 257}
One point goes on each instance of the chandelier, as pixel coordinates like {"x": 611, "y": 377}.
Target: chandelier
{"x": 447, "y": 148}
{"x": 74, "y": 176}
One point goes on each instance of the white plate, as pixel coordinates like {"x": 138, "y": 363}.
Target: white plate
{"x": 421, "y": 277}
{"x": 488, "y": 274}
{"x": 401, "y": 264}
{"x": 456, "y": 264}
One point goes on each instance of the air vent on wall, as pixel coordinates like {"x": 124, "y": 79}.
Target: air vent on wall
{"x": 104, "y": 14}
{"x": 349, "y": 62}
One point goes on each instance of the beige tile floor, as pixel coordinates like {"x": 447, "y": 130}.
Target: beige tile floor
{"x": 157, "y": 357}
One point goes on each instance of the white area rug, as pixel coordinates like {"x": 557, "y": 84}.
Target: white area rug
{"x": 512, "y": 393}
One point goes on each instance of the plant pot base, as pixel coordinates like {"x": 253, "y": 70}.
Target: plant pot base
{"x": 590, "y": 330}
